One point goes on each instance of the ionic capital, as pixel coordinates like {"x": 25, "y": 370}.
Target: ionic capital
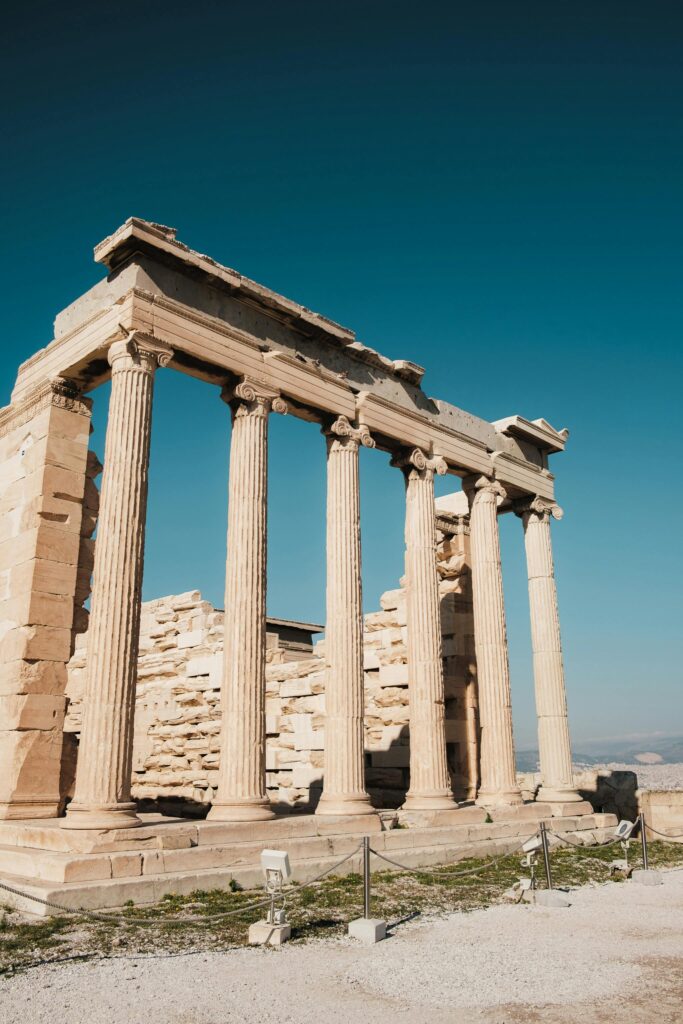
{"x": 250, "y": 397}
{"x": 415, "y": 461}
{"x": 483, "y": 488}
{"x": 342, "y": 434}
{"x": 540, "y": 508}
{"x": 138, "y": 352}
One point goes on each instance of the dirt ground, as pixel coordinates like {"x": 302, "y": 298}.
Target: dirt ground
{"x": 615, "y": 955}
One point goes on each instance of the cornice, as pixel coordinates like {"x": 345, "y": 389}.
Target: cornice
{"x": 138, "y": 235}
{"x": 537, "y": 432}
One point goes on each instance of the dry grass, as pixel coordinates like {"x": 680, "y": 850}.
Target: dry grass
{"x": 323, "y": 909}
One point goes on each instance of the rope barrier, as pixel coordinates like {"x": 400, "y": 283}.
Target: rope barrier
{"x": 448, "y": 874}
{"x": 580, "y": 846}
{"x": 664, "y": 835}
{"x": 110, "y": 918}
{"x": 121, "y": 919}
{"x": 328, "y": 871}
{"x": 192, "y": 919}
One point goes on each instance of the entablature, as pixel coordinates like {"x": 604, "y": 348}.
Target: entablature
{"x": 222, "y": 325}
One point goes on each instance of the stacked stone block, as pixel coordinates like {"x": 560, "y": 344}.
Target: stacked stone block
{"x": 43, "y": 460}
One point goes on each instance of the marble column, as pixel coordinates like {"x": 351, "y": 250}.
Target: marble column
{"x": 497, "y": 757}
{"x": 344, "y": 778}
{"x": 430, "y": 783}
{"x": 241, "y": 793}
{"x": 557, "y": 782}
{"x": 102, "y": 796}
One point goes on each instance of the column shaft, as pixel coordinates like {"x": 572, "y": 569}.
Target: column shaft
{"x": 498, "y": 773}
{"x": 557, "y": 783}
{"x": 344, "y": 778}
{"x": 241, "y": 794}
{"x": 102, "y": 795}
{"x": 430, "y": 784}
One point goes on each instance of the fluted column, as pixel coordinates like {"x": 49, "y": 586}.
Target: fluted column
{"x": 103, "y": 778}
{"x": 344, "y": 778}
{"x": 430, "y": 784}
{"x": 497, "y": 772}
{"x": 554, "y": 746}
{"x": 241, "y": 794}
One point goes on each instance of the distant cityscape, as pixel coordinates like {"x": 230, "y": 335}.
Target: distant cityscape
{"x": 652, "y": 750}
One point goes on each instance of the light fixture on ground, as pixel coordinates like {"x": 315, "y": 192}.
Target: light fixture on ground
{"x": 274, "y": 930}
{"x": 530, "y": 893}
{"x": 530, "y": 860}
{"x": 623, "y": 832}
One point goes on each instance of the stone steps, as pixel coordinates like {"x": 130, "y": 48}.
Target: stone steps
{"x": 107, "y": 879}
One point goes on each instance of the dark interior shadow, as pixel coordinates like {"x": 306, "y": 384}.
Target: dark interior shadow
{"x": 615, "y": 793}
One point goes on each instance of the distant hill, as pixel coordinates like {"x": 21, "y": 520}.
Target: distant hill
{"x": 667, "y": 750}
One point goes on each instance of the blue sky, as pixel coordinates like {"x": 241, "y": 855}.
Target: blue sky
{"x": 492, "y": 190}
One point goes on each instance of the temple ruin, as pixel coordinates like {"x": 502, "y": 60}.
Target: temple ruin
{"x": 399, "y": 716}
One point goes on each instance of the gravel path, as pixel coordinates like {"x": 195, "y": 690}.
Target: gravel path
{"x": 506, "y": 964}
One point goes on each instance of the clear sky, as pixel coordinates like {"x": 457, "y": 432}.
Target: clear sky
{"x": 491, "y": 189}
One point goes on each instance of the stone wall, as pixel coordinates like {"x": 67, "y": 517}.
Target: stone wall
{"x": 177, "y": 720}
{"x": 663, "y": 810}
{"x": 47, "y": 514}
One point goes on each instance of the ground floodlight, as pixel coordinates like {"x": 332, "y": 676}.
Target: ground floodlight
{"x": 276, "y": 860}
{"x": 530, "y": 860}
{"x": 533, "y": 844}
{"x": 275, "y": 929}
{"x": 624, "y": 829}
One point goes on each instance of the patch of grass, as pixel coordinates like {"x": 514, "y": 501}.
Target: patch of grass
{"x": 18, "y": 938}
{"x": 320, "y": 910}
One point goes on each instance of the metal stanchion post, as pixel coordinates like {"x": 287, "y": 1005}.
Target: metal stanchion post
{"x": 366, "y": 928}
{"x": 644, "y": 875}
{"x": 546, "y": 855}
{"x": 643, "y": 841}
{"x": 366, "y": 877}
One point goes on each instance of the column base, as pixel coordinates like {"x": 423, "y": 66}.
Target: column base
{"x": 22, "y": 810}
{"x": 108, "y": 816}
{"x": 547, "y": 794}
{"x": 254, "y": 809}
{"x": 338, "y": 806}
{"x": 501, "y": 798}
{"x": 431, "y": 800}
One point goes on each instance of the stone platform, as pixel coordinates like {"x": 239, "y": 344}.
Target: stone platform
{"x": 98, "y": 869}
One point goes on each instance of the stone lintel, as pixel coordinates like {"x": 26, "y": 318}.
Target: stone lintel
{"x": 160, "y": 286}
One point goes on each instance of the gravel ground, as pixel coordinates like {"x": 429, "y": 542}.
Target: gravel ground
{"x": 652, "y": 776}
{"x": 615, "y": 955}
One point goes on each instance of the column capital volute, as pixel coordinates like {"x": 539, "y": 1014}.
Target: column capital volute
{"x": 535, "y": 505}
{"x": 344, "y": 434}
{"x": 480, "y": 484}
{"x": 138, "y": 351}
{"x": 415, "y": 460}
{"x": 248, "y": 396}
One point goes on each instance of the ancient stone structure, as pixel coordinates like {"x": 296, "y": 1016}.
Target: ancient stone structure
{"x": 344, "y": 785}
{"x": 164, "y": 305}
{"x": 177, "y": 743}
